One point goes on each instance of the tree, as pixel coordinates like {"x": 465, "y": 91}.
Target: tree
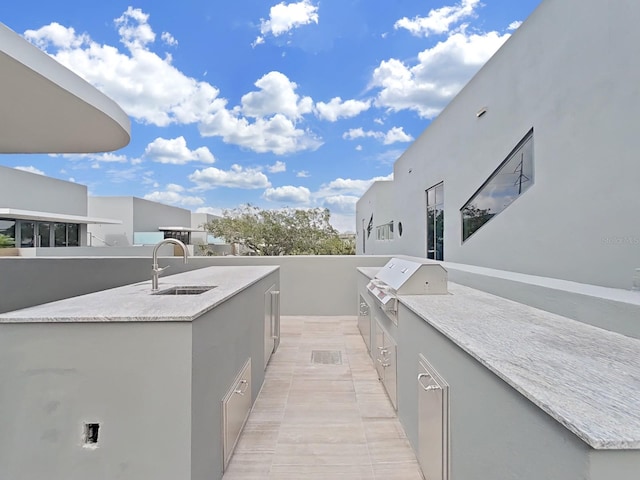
{"x": 6, "y": 241}
{"x": 281, "y": 232}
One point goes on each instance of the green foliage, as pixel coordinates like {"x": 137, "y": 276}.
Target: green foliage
{"x": 281, "y": 232}
{"x": 6, "y": 241}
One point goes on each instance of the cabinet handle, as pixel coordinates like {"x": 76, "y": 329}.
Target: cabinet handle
{"x": 242, "y": 391}
{"x": 427, "y": 387}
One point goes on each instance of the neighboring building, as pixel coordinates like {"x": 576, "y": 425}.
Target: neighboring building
{"x": 54, "y": 213}
{"x": 143, "y": 222}
{"x": 532, "y": 168}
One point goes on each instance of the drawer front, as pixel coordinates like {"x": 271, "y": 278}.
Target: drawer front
{"x": 236, "y": 406}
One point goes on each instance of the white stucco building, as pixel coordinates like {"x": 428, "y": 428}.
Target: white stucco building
{"x": 542, "y": 143}
{"x": 53, "y": 214}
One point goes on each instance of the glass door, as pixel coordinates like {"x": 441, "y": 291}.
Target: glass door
{"x": 44, "y": 234}
{"x": 435, "y": 222}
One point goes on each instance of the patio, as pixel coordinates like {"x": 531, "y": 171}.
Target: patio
{"x": 317, "y": 420}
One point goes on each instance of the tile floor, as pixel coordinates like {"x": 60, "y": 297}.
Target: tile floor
{"x": 322, "y": 421}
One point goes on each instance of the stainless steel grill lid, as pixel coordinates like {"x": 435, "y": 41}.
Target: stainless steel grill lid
{"x": 406, "y": 277}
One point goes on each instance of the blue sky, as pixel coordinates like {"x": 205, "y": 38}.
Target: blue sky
{"x": 291, "y": 104}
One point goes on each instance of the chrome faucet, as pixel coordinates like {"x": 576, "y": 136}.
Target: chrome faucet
{"x": 157, "y": 270}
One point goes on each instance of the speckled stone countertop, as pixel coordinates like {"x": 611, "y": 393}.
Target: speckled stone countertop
{"x": 136, "y": 303}
{"x": 585, "y": 377}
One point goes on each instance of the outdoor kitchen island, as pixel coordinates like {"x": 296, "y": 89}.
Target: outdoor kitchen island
{"x": 510, "y": 391}
{"x": 128, "y": 383}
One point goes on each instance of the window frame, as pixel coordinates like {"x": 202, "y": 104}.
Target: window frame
{"x": 528, "y": 137}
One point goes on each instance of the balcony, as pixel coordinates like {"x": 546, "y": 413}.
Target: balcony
{"x": 533, "y": 381}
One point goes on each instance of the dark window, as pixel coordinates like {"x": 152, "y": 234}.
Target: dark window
{"x": 66, "y": 234}
{"x": 511, "y": 179}
{"x": 8, "y": 228}
{"x": 435, "y": 222}
{"x": 27, "y": 234}
{"x": 91, "y": 432}
{"x": 184, "y": 237}
{"x": 44, "y": 234}
{"x": 73, "y": 235}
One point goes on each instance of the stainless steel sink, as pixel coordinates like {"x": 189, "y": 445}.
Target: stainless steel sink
{"x": 186, "y": 290}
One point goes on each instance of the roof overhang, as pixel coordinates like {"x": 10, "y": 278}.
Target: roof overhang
{"x": 180, "y": 229}
{"x": 16, "y": 214}
{"x": 46, "y": 108}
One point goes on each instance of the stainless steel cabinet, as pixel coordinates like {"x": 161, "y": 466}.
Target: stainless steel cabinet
{"x": 364, "y": 321}
{"x": 236, "y": 406}
{"x": 433, "y": 422}
{"x": 385, "y": 361}
{"x": 271, "y": 322}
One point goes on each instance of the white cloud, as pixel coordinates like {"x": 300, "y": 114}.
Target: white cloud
{"x": 134, "y": 30}
{"x": 174, "y": 195}
{"x": 439, "y": 20}
{"x": 175, "y": 151}
{"x": 153, "y": 91}
{"x": 303, "y": 174}
{"x": 348, "y": 186}
{"x": 210, "y": 210}
{"x": 358, "y": 148}
{"x": 343, "y": 223}
{"x": 288, "y": 194}
{"x": 285, "y": 17}
{"x": 514, "y": 25}
{"x": 277, "y": 134}
{"x": 277, "y": 167}
{"x": 237, "y": 177}
{"x": 108, "y": 157}
{"x": 355, "y": 133}
{"x": 340, "y": 197}
{"x": 276, "y": 95}
{"x": 341, "y": 203}
{"x": 336, "y": 108}
{"x": 395, "y": 134}
{"x": 30, "y": 169}
{"x": 169, "y": 39}
{"x": 438, "y": 76}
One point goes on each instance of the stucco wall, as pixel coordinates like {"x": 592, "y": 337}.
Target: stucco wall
{"x": 223, "y": 340}
{"x": 310, "y": 285}
{"x": 565, "y": 73}
{"x": 118, "y": 208}
{"x": 148, "y": 216}
{"x": 377, "y": 201}
{"x": 137, "y": 215}
{"x": 133, "y": 379}
{"x": 494, "y": 431}
{"x": 45, "y": 194}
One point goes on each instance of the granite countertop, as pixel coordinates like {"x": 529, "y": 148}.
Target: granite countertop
{"x": 136, "y": 303}
{"x": 585, "y": 377}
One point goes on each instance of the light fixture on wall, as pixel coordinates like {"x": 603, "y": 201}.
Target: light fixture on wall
{"x": 481, "y": 112}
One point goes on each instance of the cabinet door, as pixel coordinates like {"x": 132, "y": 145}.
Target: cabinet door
{"x": 390, "y": 370}
{"x": 364, "y": 322}
{"x": 379, "y": 352}
{"x": 433, "y": 422}
{"x": 269, "y": 326}
{"x": 236, "y": 406}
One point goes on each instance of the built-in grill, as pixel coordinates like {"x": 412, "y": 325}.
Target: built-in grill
{"x": 406, "y": 277}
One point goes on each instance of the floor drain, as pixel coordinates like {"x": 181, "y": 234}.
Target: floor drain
{"x": 326, "y": 357}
